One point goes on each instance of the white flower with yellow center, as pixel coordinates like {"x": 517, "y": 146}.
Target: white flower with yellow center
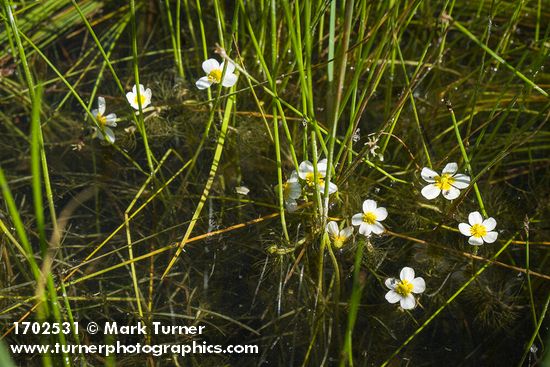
{"x": 215, "y": 75}
{"x": 369, "y": 220}
{"x": 306, "y": 173}
{"x": 338, "y": 237}
{"x": 144, "y": 94}
{"x": 449, "y": 182}
{"x": 104, "y": 121}
{"x": 479, "y": 230}
{"x": 402, "y": 290}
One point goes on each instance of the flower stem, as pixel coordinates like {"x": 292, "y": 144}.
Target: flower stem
{"x": 465, "y": 157}
{"x": 347, "y": 350}
{"x": 274, "y": 51}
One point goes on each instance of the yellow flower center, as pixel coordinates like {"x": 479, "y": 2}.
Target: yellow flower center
{"x": 215, "y": 76}
{"x": 142, "y": 97}
{"x": 444, "y": 181}
{"x": 310, "y": 179}
{"x": 101, "y": 119}
{"x": 339, "y": 241}
{"x": 369, "y": 217}
{"x": 404, "y": 288}
{"x": 478, "y": 230}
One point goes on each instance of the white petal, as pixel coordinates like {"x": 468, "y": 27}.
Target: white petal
{"x": 291, "y": 205}
{"x": 451, "y": 194}
{"x": 408, "y": 303}
{"x": 461, "y": 181}
{"x": 465, "y": 229}
{"x": 357, "y": 219}
{"x": 229, "y": 80}
{"x": 332, "y": 188}
{"x": 332, "y": 228}
{"x": 490, "y": 237}
{"x": 94, "y": 112}
{"x": 428, "y": 174}
{"x": 407, "y": 274}
{"x": 131, "y": 97}
{"x": 293, "y": 176}
{"x": 391, "y": 283}
{"x": 134, "y": 89}
{"x": 98, "y": 134}
{"x": 369, "y": 206}
{"x": 490, "y": 223}
{"x": 475, "y": 218}
{"x": 209, "y": 65}
{"x": 295, "y": 190}
{"x": 365, "y": 229}
{"x": 377, "y": 228}
{"x": 430, "y": 192}
{"x": 450, "y": 168}
{"x": 322, "y": 167}
{"x": 419, "y": 285}
{"x": 242, "y": 190}
{"x": 476, "y": 241}
{"x": 381, "y": 213}
{"x": 304, "y": 168}
{"x": 101, "y": 105}
{"x": 203, "y": 83}
{"x": 393, "y": 297}
{"x": 110, "y": 120}
{"x": 110, "y": 135}
{"x": 229, "y": 69}
{"x": 148, "y": 94}
{"x": 141, "y": 90}
{"x": 346, "y": 232}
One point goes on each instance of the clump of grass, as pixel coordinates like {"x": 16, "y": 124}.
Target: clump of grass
{"x": 151, "y": 228}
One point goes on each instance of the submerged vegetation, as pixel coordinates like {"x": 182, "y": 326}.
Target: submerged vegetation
{"x": 266, "y": 169}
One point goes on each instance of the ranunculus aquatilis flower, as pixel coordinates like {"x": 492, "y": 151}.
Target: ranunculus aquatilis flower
{"x": 402, "y": 290}
{"x": 144, "y": 94}
{"x": 215, "y": 75}
{"x": 369, "y": 220}
{"x": 306, "y": 173}
{"x": 449, "y": 182}
{"x": 479, "y": 230}
{"x": 337, "y": 236}
{"x": 104, "y": 121}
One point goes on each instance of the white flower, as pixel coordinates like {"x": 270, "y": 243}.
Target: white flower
{"x": 449, "y": 182}
{"x": 104, "y": 121}
{"x": 479, "y": 230}
{"x": 145, "y": 95}
{"x": 292, "y": 190}
{"x": 338, "y": 236}
{"x": 214, "y": 71}
{"x": 402, "y": 290}
{"x": 369, "y": 220}
{"x": 305, "y": 171}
